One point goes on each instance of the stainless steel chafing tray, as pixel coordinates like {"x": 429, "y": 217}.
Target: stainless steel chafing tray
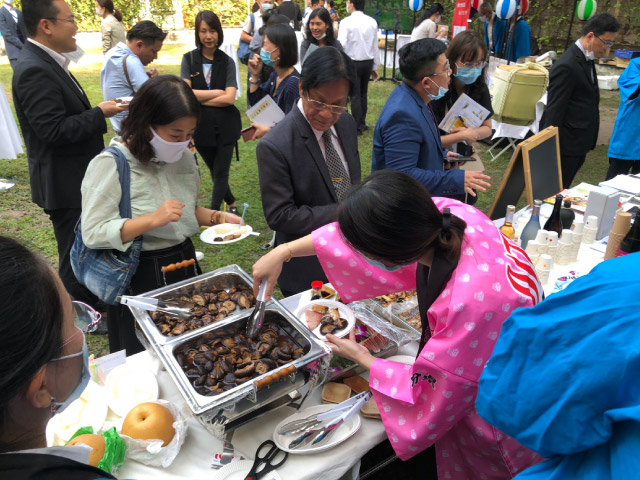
{"x": 227, "y": 410}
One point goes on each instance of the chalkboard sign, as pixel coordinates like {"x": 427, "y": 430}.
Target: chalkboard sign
{"x": 534, "y": 167}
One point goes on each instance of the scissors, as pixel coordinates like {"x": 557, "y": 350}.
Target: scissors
{"x": 265, "y": 463}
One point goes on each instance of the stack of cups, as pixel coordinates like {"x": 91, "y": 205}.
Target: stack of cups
{"x": 544, "y": 268}
{"x": 542, "y": 239}
{"x": 552, "y": 244}
{"x": 577, "y": 229}
{"x": 533, "y": 251}
{"x": 564, "y": 248}
{"x": 621, "y": 226}
{"x": 590, "y": 229}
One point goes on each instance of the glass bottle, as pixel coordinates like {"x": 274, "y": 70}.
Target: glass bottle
{"x": 507, "y": 228}
{"x": 631, "y": 241}
{"x": 566, "y": 215}
{"x": 316, "y": 285}
{"x": 554, "y": 224}
{"x": 531, "y": 228}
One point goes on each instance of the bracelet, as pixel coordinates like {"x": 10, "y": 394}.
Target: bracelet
{"x": 213, "y": 217}
{"x": 253, "y": 82}
{"x": 290, "y": 253}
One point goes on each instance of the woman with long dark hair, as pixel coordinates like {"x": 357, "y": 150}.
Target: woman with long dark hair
{"x": 392, "y": 236}
{"x": 279, "y": 50}
{"x": 467, "y": 55}
{"x": 110, "y": 25}
{"x": 425, "y": 26}
{"x": 43, "y": 366}
{"x": 211, "y": 74}
{"x": 319, "y": 32}
{"x": 165, "y": 183}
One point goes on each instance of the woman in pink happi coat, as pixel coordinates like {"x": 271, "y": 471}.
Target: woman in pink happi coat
{"x": 391, "y": 236}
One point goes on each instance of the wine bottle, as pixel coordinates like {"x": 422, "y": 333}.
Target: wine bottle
{"x": 507, "y": 227}
{"x": 554, "y": 224}
{"x": 566, "y": 215}
{"x": 531, "y": 228}
{"x": 631, "y": 241}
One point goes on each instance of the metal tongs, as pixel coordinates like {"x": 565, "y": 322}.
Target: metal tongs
{"x": 314, "y": 429}
{"x": 178, "y": 308}
{"x": 254, "y": 323}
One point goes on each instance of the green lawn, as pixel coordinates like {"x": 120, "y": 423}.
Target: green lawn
{"x": 24, "y": 220}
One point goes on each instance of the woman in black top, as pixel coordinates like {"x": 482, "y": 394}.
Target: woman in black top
{"x": 467, "y": 57}
{"x": 211, "y": 74}
{"x": 319, "y": 32}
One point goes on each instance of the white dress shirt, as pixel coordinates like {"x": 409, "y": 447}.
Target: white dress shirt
{"x": 60, "y": 59}
{"x": 334, "y": 137}
{"x": 358, "y": 34}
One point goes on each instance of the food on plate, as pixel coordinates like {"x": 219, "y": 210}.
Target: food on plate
{"x": 149, "y": 421}
{"x": 210, "y": 305}
{"x": 400, "y": 297}
{"x": 331, "y": 322}
{"x": 218, "y": 362}
{"x": 357, "y": 384}
{"x": 335, "y": 392}
{"x": 123, "y": 101}
{"x": 97, "y": 444}
{"x": 370, "y": 409}
{"x": 327, "y": 292}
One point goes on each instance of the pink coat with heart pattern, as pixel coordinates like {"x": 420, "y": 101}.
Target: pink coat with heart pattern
{"x": 433, "y": 400}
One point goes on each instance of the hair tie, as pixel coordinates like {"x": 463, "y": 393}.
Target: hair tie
{"x": 446, "y": 219}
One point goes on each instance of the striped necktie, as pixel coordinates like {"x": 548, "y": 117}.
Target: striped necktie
{"x": 339, "y": 175}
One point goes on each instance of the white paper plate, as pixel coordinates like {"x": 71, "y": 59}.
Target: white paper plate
{"x": 345, "y": 312}
{"x": 90, "y": 410}
{"x": 208, "y": 235}
{"x": 305, "y": 297}
{"x": 344, "y": 431}
{"x": 124, "y": 99}
{"x": 128, "y": 386}
{"x": 239, "y": 469}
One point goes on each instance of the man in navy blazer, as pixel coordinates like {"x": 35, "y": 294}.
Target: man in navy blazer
{"x": 300, "y": 189}
{"x": 61, "y": 131}
{"x": 406, "y": 137}
{"x": 13, "y": 30}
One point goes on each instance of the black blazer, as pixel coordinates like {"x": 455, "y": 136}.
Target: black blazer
{"x": 572, "y": 104}
{"x": 296, "y": 188}
{"x": 14, "y": 34}
{"x": 61, "y": 131}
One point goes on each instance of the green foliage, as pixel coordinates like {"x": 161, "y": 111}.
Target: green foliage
{"x": 230, "y": 12}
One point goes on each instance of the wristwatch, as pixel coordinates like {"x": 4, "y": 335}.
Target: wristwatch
{"x": 252, "y": 81}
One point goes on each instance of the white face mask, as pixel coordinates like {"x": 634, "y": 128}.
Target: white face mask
{"x": 99, "y": 11}
{"x": 319, "y": 37}
{"x": 168, "y": 152}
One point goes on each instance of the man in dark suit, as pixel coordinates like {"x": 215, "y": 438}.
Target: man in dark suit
{"x": 308, "y": 162}
{"x": 13, "y": 30}
{"x": 574, "y": 96}
{"x": 61, "y": 131}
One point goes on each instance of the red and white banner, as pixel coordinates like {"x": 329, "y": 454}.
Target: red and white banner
{"x": 461, "y": 16}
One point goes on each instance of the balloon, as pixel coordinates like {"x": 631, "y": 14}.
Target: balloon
{"x": 416, "y": 5}
{"x": 586, "y": 9}
{"x": 505, "y": 9}
{"x": 524, "y": 6}
{"x": 475, "y": 4}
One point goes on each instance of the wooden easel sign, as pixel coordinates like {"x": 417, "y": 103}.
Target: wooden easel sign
{"x": 534, "y": 167}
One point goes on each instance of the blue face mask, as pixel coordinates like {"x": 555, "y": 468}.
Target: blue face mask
{"x": 441, "y": 91}
{"x": 468, "y": 75}
{"x": 266, "y": 7}
{"x": 266, "y": 57}
{"x": 85, "y": 376}
{"x": 380, "y": 265}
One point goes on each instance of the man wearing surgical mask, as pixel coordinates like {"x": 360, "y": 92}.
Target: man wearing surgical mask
{"x": 254, "y": 22}
{"x": 493, "y": 28}
{"x": 573, "y": 97}
{"x": 406, "y": 136}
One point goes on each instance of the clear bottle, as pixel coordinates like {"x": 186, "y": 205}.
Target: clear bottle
{"x": 316, "y": 285}
{"x": 554, "y": 224}
{"x": 531, "y": 228}
{"x": 507, "y": 228}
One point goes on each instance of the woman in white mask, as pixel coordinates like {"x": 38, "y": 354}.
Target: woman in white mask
{"x": 426, "y": 25}
{"x": 165, "y": 183}
{"x": 110, "y": 25}
{"x": 319, "y": 32}
{"x": 43, "y": 366}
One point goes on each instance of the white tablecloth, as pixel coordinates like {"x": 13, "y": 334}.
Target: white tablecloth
{"x": 230, "y": 49}
{"x": 10, "y": 141}
{"x": 519, "y": 131}
{"x": 194, "y": 459}
{"x": 401, "y": 42}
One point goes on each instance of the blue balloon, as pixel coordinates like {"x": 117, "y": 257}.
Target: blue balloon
{"x": 416, "y": 5}
{"x": 505, "y": 9}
